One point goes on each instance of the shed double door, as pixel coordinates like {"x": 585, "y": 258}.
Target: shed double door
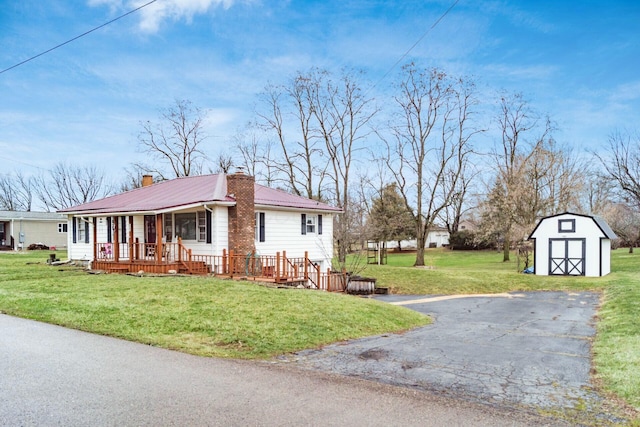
{"x": 567, "y": 256}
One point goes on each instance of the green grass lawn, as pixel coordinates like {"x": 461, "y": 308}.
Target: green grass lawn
{"x": 204, "y": 316}
{"x": 212, "y": 317}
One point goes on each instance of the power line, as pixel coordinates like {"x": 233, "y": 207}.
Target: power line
{"x": 404, "y": 55}
{"x": 77, "y": 37}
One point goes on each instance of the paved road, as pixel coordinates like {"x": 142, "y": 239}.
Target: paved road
{"x": 509, "y": 349}
{"x": 52, "y": 376}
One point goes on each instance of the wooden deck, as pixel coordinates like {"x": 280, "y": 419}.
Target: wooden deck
{"x": 126, "y": 266}
{"x": 170, "y": 258}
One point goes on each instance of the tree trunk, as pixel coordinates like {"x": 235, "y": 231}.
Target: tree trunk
{"x": 505, "y": 249}
{"x": 419, "y": 256}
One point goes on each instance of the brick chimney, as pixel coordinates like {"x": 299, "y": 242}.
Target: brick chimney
{"x": 241, "y": 216}
{"x": 147, "y": 180}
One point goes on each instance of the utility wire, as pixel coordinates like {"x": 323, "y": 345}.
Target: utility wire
{"x": 77, "y": 37}
{"x": 404, "y": 55}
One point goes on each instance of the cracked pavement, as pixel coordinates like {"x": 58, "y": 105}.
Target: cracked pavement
{"x": 522, "y": 348}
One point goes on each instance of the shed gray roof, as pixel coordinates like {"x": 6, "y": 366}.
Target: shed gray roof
{"x": 192, "y": 190}
{"x": 604, "y": 227}
{"x": 31, "y": 216}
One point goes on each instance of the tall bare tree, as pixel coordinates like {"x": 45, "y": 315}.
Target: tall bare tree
{"x": 534, "y": 175}
{"x": 515, "y": 120}
{"x": 319, "y": 123}
{"x": 430, "y": 143}
{"x": 622, "y": 164}
{"x": 300, "y": 166}
{"x": 343, "y": 115}
{"x": 16, "y": 192}
{"x": 67, "y": 185}
{"x": 174, "y": 143}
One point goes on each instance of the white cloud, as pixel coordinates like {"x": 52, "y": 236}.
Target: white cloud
{"x": 626, "y": 92}
{"x": 154, "y": 14}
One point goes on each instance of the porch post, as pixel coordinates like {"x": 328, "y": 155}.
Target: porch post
{"x": 116, "y": 239}
{"x": 277, "y": 265}
{"x": 306, "y": 265}
{"x": 95, "y": 237}
{"x": 159, "y": 226}
{"x": 225, "y": 266}
{"x": 131, "y": 241}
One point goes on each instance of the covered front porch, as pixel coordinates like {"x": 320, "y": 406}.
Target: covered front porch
{"x": 168, "y": 258}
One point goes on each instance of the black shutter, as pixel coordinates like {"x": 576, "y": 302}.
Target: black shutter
{"x": 109, "y": 237}
{"x": 304, "y": 223}
{"x": 208, "y": 220}
{"x": 86, "y": 230}
{"x": 261, "y": 227}
{"x": 319, "y": 224}
{"x": 75, "y": 230}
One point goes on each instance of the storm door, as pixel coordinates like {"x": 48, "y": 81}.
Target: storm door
{"x": 149, "y": 228}
{"x": 566, "y": 257}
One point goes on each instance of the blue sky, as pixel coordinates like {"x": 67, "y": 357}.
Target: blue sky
{"x": 577, "y": 61}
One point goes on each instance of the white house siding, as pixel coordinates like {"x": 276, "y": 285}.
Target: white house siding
{"x": 283, "y": 233}
{"x": 585, "y": 228}
{"x": 220, "y": 232}
{"x": 79, "y": 250}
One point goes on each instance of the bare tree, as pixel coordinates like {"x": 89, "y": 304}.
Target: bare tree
{"x": 515, "y": 119}
{"x": 16, "y": 192}
{"x": 319, "y": 123}
{"x": 599, "y": 192}
{"x": 625, "y": 222}
{"x": 343, "y": 114}
{"x": 429, "y": 148}
{"x": 66, "y": 185}
{"x": 224, "y": 163}
{"x": 300, "y": 165}
{"x": 534, "y": 175}
{"x": 622, "y": 165}
{"x": 175, "y": 141}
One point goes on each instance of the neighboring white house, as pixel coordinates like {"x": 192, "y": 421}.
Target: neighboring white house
{"x": 437, "y": 237}
{"x": 572, "y": 245}
{"x": 18, "y": 230}
{"x": 210, "y": 214}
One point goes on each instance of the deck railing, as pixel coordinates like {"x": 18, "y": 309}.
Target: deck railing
{"x": 278, "y": 268}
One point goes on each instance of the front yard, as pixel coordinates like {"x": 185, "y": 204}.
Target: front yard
{"x": 219, "y": 318}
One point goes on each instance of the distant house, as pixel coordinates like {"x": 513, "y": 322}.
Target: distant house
{"x": 18, "y": 230}
{"x": 221, "y": 224}
{"x": 571, "y": 244}
{"x": 437, "y": 237}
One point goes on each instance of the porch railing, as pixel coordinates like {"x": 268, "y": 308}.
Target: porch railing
{"x": 279, "y": 268}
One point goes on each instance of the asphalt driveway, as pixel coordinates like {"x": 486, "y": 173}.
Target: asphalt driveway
{"x": 530, "y": 348}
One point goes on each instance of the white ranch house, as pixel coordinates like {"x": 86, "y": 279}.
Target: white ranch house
{"x": 220, "y": 224}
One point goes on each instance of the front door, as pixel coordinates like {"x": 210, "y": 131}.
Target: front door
{"x": 566, "y": 257}
{"x": 3, "y": 235}
{"x": 149, "y": 228}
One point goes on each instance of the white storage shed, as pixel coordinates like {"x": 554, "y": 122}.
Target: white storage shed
{"x": 572, "y": 244}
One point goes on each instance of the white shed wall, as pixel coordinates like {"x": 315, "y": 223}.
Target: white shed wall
{"x": 605, "y": 245}
{"x": 585, "y": 228}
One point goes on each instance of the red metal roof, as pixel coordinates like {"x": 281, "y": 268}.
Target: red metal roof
{"x": 191, "y": 190}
